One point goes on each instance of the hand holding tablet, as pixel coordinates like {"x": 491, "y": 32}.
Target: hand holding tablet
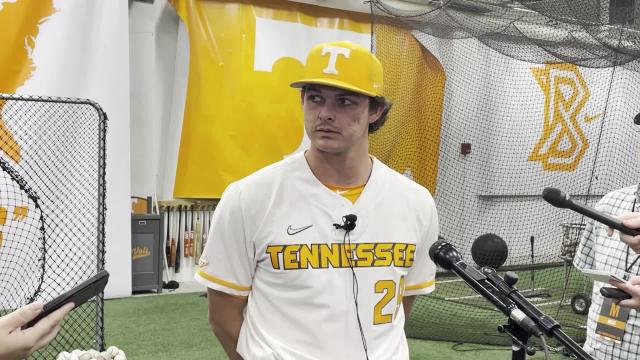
{"x": 78, "y": 296}
{"x": 608, "y": 277}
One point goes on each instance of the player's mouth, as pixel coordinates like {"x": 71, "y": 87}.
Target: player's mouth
{"x": 326, "y": 130}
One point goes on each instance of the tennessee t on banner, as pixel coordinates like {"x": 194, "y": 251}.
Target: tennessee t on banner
{"x": 241, "y": 114}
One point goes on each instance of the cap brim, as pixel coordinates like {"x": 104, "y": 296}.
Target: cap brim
{"x": 333, "y": 83}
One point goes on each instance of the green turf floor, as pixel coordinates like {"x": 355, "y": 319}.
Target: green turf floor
{"x": 174, "y": 326}
{"x": 452, "y": 296}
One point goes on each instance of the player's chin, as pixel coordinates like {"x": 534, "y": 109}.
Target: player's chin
{"x": 328, "y": 145}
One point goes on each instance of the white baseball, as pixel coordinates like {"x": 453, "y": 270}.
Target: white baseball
{"x": 112, "y": 351}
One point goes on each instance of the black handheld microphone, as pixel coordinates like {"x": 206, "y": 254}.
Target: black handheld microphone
{"x": 348, "y": 223}
{"x": 559, "y": 199}
{"x": 447, "y": 257}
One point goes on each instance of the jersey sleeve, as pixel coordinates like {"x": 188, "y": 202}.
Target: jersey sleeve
{"x": 422, "y": 275}
{"x": 227, "y": 262}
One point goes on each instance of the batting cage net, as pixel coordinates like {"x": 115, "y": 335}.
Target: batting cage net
{"x": 511, "y": 97}
{"x": 52, "y": 209}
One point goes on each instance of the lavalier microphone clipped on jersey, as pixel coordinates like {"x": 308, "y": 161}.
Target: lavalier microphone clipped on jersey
{"x": 348, "y": 223}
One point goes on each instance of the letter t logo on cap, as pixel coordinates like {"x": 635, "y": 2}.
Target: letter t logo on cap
{"x": 334, "y": 51}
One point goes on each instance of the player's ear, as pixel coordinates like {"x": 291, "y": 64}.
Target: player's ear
{"x": 378, "y": 111}
{"x": 375, "y": 111}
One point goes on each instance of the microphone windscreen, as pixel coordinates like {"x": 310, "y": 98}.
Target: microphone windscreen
{"x": 489, "y": 250}
{"x": 434, "y": 248}
{"x": 444, "y": 254}
{"x": 556, "y": 197}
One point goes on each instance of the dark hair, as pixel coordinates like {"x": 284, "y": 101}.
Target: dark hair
{"x": 375, "y": 102}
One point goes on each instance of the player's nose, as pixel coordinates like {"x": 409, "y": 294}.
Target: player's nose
{"x": 327, "y": 112}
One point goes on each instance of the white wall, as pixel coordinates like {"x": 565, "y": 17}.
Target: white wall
{"x": 159, "y": 74}
{"x": 173, "y": 122}
{"x": 158, "y": 91}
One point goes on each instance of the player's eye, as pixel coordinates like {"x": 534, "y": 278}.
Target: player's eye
{"x": 314, "y": 98}
{"x": 346, "y": 101}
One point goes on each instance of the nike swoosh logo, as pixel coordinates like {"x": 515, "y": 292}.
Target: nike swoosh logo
{"x": 292, "y": 231}
{"x": 340, "y": 192}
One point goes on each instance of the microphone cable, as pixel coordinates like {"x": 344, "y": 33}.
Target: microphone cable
{"x": 545, "y": 347}
{"x": 354, "y": 281}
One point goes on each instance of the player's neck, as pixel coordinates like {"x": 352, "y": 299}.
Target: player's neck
{"x": 343, "y": 169}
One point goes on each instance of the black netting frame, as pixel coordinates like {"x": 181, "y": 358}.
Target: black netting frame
{"x": 52, "y": 209}
{"x": 476, "y": 38}
{"x": 582, "y": 32}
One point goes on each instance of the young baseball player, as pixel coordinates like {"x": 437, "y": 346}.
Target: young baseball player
{"x": 327, "y": 249}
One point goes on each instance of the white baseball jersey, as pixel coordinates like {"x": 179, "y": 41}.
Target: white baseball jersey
{"x": 272, "y": 239}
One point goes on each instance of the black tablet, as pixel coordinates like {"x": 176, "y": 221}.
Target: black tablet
{"x": 78, "y": 295}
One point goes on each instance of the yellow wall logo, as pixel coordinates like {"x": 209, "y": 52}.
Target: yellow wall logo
{"x": 19, "y": 214}
{"x": 563, "y": 142}
{"x": 19, "y": 26}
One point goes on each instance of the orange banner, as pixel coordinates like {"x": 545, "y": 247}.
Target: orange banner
{"x": 241, "y": 114}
